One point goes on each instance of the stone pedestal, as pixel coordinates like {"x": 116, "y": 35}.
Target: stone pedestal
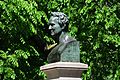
{"x": 64, "y": 70}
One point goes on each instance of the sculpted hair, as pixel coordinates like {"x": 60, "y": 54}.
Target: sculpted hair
{"x": 62, "y": 19}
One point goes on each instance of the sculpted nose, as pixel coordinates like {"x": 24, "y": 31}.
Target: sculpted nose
{"x": 50, "y": 27}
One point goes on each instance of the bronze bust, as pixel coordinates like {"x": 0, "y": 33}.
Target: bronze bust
{"x": 67, "y": 49}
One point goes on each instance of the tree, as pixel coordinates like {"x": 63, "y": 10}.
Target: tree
{"x": 23, "y": 36}
{"x": 19, "y": 24}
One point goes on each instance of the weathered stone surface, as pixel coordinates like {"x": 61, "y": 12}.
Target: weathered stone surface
{"x": 64, "y": 70}
{"x": 67, "y": 78}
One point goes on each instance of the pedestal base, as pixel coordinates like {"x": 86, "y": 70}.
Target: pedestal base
{"x": 66, "y": 78}
{"x": 64, "y": 70}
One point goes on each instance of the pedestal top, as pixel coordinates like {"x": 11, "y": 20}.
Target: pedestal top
{"x": 75, "y": 65}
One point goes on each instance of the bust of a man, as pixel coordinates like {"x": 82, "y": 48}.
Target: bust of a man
{"x": 67, "y": 49}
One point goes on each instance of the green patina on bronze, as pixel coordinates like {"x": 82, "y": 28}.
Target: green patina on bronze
{"x": 68, "y": 48}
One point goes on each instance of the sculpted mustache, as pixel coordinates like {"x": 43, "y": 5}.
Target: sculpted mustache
{"x": 51, "y": 29}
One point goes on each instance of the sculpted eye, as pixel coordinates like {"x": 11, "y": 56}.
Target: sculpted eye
{"x": 52, "y": 24}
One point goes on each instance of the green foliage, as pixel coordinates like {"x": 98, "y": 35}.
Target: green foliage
{"x": 23, "y": 36}
{"x": 19, "y": 21}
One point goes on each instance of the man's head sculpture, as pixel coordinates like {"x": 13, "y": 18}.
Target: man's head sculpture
{"x": 58, "y": 23}
{"x": 67, "y": 49}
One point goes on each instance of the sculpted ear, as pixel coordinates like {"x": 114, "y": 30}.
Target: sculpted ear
{"x": 64, "y": 21}
{"x": 63, "y": 27}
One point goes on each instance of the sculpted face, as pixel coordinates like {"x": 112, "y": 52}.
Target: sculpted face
{"x": 54, "y": 26}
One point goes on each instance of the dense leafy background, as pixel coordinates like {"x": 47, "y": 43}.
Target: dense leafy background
{"x": 24, "y": 35}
